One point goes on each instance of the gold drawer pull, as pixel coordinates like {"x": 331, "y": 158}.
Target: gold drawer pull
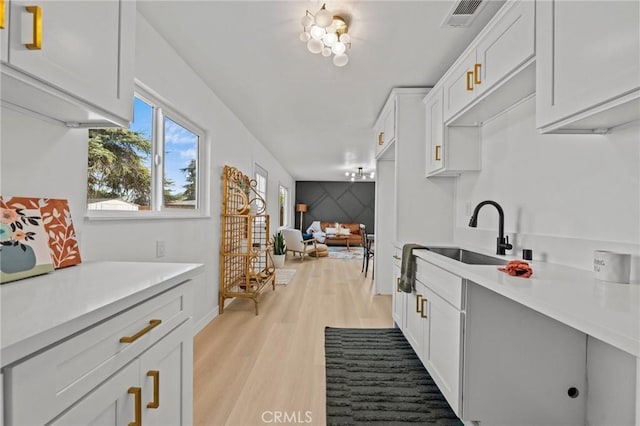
{"x": 129, "y": 339}
{"x": 469, "y": 81}
{"x": 3, "y": 14}
{"x": 137, "y": 396}
{"x": 398, "y": 285}
{"x": 381, "y": 138}
{"x": 418, "y": 303}
{"x": 396, "y": 257}
{"x": 155, "y": 374}
{"x": 423, "y": 310}
{"x": 438, "y": 149}
{"x": 476, "y": 73}
{"x": 36, "y": 44}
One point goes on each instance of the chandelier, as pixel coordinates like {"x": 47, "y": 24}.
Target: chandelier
{"x": 360, "y": 175}
{"x": 326, "y": 33}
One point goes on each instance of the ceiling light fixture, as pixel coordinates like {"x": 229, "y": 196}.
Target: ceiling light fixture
{"x": 326, "y": 33}
{"x": 359, "y": 175}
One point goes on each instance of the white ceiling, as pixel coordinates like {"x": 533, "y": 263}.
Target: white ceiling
{"x": 314, "y": 117}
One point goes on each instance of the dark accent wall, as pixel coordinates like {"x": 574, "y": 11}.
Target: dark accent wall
{"x": 344, "y": 202}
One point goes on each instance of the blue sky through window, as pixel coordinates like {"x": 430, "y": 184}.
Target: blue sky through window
{"x": 180, "y": 148}
{"x": 180, "y": 145}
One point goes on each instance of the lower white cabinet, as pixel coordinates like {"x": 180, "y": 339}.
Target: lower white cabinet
{"x": 399, "y": 297}
{"x": 149, "y": 390}
{"x": 442, "y": 347}
{"x": 414, "y": 325}
{"x": 520, "y": 367}
{"x": 110, "y": 404}
{"x": 495, "y": 361}
{"x": 135, "y": 367}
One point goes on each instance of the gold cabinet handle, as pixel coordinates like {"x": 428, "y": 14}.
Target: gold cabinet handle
{"x": 3, "y": 13}
{"x": 129, "y": 339}
{"x": 398, "y": 285}
{"x": 476, "y": 73}
{"x": 36, "y": 11}
{"x": 437, "y": 153}
{"x": 155, "y": 374}
{"x": 418, "y": 303}
{"x": 381, "y": 138}
{"x": 396, "y": 257}
{"x": 423, "y": 308}
{"x": 137, "y": 397}
{"x": 469, "y": 81}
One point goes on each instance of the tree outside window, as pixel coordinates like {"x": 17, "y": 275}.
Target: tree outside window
{"x": 142, "y": 169}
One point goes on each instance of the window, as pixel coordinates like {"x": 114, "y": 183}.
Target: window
{"x": 261, "y": 177}
{"x": 283, "y": 202}
{"x": 153, "y": 166}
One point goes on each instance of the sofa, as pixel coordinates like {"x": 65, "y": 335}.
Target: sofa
{"x": 355, "y": 237}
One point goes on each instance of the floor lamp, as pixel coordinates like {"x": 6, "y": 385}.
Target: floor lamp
{"x": 302, "y": 208}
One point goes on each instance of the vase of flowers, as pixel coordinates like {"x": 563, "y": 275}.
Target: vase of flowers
{"x": 279, "y": 250}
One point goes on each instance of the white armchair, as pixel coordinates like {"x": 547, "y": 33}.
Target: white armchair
{"x": 295, "y": 243}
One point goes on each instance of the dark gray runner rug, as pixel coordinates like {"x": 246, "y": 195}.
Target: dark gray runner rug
{"x": 375, "y": 377}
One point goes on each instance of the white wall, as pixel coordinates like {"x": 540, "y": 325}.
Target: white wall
{"x": 563, "y": 195}
{"x": 43, "y": 159}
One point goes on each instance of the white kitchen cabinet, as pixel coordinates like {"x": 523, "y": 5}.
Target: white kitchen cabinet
{"x": 167, "y": 380}
{"x": 132, "y": 341}
{"x": 442, "y": 346}
{"x": 494, "y": 360}
{"x": 81, "y": 73}
{"x": 4, "y": 30}
{"x": 386, "y": 126}
{"x": 130, "y": 394}
{"x": 587, "y": 65}
{"x": 110, "y": 404}
{"x": 449, "y": 150}
{"x": 496, "y": 70}
{"x": 404, "y": 197}
{"x": 520, "y": 367}
{"x": 414, "y": 328}
{"x": 399, "y": 297}
{"x": 458, "y": 84}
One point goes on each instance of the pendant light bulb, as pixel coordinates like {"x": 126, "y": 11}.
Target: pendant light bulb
{"x": 324, "y": 18}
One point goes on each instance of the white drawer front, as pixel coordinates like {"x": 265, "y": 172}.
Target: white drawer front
{"x": 443, "y": 283}
{"x": 56, "y": 378}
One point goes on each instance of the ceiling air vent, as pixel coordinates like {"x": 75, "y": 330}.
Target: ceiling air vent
{"x": 463, "y": 12}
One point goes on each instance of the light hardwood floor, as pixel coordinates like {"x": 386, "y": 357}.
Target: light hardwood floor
{"x": 249, "y": 368}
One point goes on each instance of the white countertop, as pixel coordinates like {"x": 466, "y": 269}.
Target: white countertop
{"x": 605, "y": 310}
{"x": 42, "y": 310}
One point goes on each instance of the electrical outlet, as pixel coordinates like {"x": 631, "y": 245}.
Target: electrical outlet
{"x": 159, "y": 248}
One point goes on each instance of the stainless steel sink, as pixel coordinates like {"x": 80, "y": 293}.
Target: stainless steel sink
{"x": 466, "y": 256}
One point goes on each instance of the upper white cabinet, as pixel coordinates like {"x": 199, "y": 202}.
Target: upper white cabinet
{"x": 501, "y": 52}
{"x": 4, "y": 28}
{"x": 71, "y": 61}
{"x": 588, "y": 65}
{"x": 449, "y": 150}
{"x": 386, "y": 126}
{"x": 459, "y": 83}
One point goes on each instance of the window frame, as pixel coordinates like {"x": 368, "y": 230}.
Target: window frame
{"x": 286, "y": 223}
{"x": 259, "y": 171}
{"x": 164, "y": 109}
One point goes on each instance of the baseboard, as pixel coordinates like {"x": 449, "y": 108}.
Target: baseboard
{"x": 206, "y": 319}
